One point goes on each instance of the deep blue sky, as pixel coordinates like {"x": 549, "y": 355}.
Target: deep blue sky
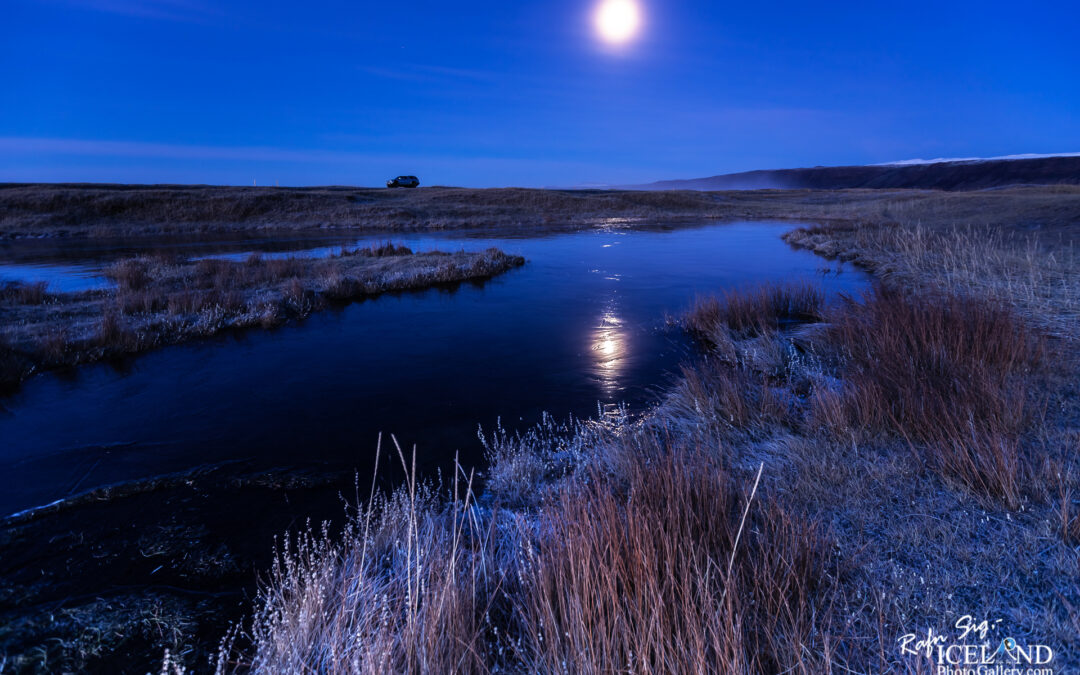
{"x": 520, "y": 92}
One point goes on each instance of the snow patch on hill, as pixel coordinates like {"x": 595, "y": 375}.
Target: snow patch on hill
{"x": 945, "y": 160}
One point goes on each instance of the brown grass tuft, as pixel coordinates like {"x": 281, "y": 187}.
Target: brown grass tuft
{"x": 753, "y": 312}
{"x": 663, "y": 574}
{"x": 142, "y": 301}
{"x": 383, "y": 250}
{"x": 730, "y": 396}
{"x": 946, "y": 372}
{"x": 186, "y": 302}
{"x": 294, "y": 292}
{"x": 25, "y": 294}
{"x": 54, "y": 346}
{"x": 1067, "y": 502}
{"x": 666, "y": 567}
{"x": 132, "y": 274}
{"x": 114, "y": 334}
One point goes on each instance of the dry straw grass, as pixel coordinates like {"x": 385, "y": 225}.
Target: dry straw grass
{"x": 667, "y": 566}
{"x": 101, "y": 210}
{"x": 759, "y": 311}
{"x": 958, "y": 382}
{"x": 25, "y": 293}
{"x": 1037, "y": 275}
{"x": 161, "y": 300}
{"x": 949, "y": 373}
{"x": 407, "y": 588}
{"x": 66, "y": 210}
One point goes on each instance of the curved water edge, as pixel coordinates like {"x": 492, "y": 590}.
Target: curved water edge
{"x": 582, "y": 323}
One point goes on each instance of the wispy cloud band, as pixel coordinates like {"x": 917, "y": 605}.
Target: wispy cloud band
{"x": 25, "y": 158}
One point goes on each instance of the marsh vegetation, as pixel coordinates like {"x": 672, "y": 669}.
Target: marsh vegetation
{"x": 93, "y": 211}
{"x": 159, "y": 300}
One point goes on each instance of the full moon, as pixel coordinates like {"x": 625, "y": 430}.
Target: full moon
{"x": 618, "y": 20}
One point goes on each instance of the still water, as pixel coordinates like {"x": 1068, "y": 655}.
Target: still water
{"x": 581, "y": 326}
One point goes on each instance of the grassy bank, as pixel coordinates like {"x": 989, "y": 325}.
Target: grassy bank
{"x": 573, "y": 584}
{"x": 158, "y": 301}
{"x": 822, "y": 482}
{"x": 1027, "y": 263}
{"x": 87, "y": 211}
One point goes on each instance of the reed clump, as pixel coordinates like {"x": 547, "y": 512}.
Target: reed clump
{"x": 758, "y": 311}
{"x": 672, "y": 568}
{"x": 949, "y": 373}
{"x": 670, "y": 564}
{"x": 34, "y": 293}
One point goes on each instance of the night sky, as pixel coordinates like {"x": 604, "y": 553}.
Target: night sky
{"x": 522, "y": 92}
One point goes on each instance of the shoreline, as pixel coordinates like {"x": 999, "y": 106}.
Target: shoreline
{"x": 161, "y": 301}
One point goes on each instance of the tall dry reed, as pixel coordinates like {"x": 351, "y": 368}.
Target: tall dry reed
{"x": 948, "y": 372}
{"x": 668, "y": 565}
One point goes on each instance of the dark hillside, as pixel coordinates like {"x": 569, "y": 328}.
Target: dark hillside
{"x": 961, "y": 175}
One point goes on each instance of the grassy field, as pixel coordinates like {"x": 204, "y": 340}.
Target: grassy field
{"x": 96, "y": 210}
{"x": 821, "y": 482}
{"x": 160, "y": 300}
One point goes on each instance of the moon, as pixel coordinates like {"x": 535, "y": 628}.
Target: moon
{"x": 617, "y": 21}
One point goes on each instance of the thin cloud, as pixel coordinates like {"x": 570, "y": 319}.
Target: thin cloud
{"x": 166, "y": 10}
{"x": 330, "y": 163}
{"x": 430, "y": 74}
{"x": 70, "y": 146}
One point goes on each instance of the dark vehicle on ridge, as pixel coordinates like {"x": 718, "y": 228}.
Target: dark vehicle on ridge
{"x": 403, "y": 181}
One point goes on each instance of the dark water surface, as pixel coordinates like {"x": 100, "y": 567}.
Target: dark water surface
{"x": 581, "y": 325}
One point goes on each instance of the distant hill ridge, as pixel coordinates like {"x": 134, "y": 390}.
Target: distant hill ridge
{"x": 965, "y": 174}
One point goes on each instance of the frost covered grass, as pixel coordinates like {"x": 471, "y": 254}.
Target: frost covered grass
{"x": 160, "y": 300}
{"x": 1035, "y": 273}
{"x": 666, "y": 563}
{"x": 35, "y": 211}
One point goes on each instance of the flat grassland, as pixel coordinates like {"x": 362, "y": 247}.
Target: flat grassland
{"x": 123, "y": 210}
